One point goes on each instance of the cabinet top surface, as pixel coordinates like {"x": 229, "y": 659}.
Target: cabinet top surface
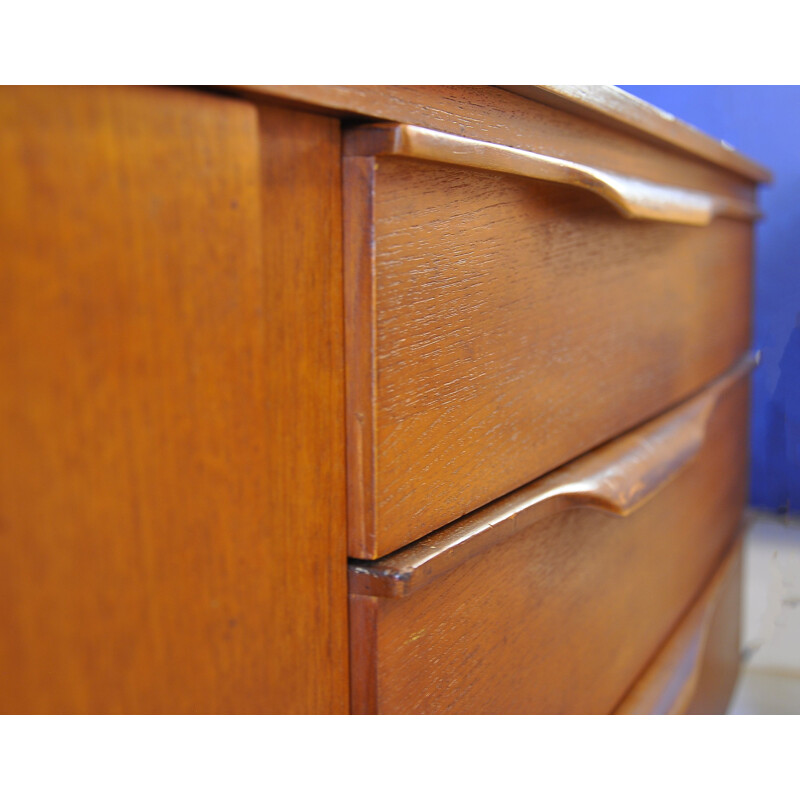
{"x": 620, "y": 109}
{"x": 606, "y": 105}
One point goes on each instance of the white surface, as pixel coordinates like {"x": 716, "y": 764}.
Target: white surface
{"x": 769, "y": 681}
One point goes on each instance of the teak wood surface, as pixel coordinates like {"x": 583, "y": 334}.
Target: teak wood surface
{"x": 616, "y": 107}
{"x": 499, "y": 326}
{"x": 172, "y": 474}
{"x": 695, "y": 672}
{"x": 634, "y": 198}
{"x": 176, "y": 344}
{"x": 561, "y": 616}
{"x": 503, "y": 117}
{"x": 617, "y": 478}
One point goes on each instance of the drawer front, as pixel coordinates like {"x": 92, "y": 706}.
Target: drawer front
{"x": 536, "y": 606}
{"x": 696, "y": 670}
{"x": 501, "y": 325}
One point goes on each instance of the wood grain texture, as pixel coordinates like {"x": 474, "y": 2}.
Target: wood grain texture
{"x": 169, "y": 329}
{"x": 304, "y": 481}
{"x": 715, "y": 679}
{"x": 495, "y": 115}
{"x": 620, "y": 108}
{"x": 512, "y": 325}
{"x": 560, "y": 617}
{"x": 695, "y": 671}
{"x": 360, "y": 346}
{"x": 634, "y": 198}
{"x": 617, "y": 478}
{"x": 363, "y": 658}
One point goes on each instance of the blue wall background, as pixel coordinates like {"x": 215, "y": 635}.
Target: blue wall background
{"x": 763, "y": 122}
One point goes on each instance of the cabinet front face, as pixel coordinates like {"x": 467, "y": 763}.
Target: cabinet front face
{"x": 237, "y": 337}
{"x": 695, "y": 671}
{"x": 502, "y": 325}
{"x": 155, "y": 243}
{"x": 559, "y": 615}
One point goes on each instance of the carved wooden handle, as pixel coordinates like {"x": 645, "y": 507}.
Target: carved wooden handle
{"x": 616, "y": 478}
{"x": 625, "y": 474}
{"x": 632, "y": 197}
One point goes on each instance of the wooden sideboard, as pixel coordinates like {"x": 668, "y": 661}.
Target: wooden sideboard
{"x": 490, "y": 344}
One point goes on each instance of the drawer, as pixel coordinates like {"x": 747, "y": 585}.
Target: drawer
{"x": 695, "y": 671}
{"x": 508, "y": 312}
{"x": 554, "y": 598}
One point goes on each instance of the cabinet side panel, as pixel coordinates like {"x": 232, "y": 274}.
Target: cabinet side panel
{"x": 143, "y": 552}
{"x": 301, "y": 225}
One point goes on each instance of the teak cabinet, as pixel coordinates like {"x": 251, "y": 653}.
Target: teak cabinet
{"x": 369, "y": 399}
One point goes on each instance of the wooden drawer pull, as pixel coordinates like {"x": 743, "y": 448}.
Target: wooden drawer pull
{"x": 634, "y": 198}
{"x": 615, "y": 478}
